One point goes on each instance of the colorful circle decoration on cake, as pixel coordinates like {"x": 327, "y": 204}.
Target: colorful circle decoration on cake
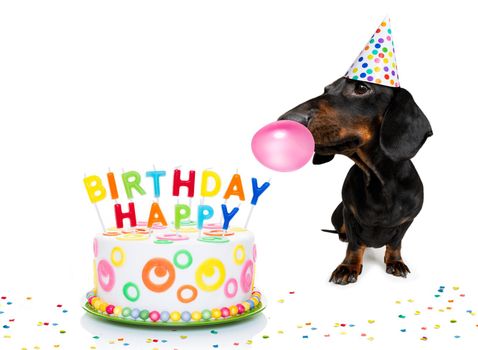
{"x": 209, "y": 268}
{"x": 227, "y": 291}
{"x": 192, "y": 289}
{"x": 239, "y": 250}
{"x": 132, "y": 237}
{"x": 188, "y": 256}
{"x": 126, "y": 291}
{"x": 106, "y": 272}
{"x": 114, "y": 256}
{"x": 161, "y": 267}
{"x": 95, "y": 247}
{"x": 246, "y": 276}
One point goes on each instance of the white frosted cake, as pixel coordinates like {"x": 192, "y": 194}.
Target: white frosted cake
{"x": 158, "y": 275}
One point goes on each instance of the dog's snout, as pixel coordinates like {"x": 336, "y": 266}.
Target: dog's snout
{"x": 297, "y": 117}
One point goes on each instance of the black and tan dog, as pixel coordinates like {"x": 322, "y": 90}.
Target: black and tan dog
{"x": 380, "y": 129}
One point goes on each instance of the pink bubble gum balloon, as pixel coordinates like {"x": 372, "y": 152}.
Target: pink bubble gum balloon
{"x": 283, "y": 145}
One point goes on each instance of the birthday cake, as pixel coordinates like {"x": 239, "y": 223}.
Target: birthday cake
{"x": 189, "y": 272}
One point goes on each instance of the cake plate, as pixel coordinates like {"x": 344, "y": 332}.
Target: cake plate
{"x": 244, "y": 316}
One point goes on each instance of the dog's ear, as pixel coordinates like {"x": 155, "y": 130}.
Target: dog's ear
{"x": 404, "y": 128}
{"x": 320, "y": 159}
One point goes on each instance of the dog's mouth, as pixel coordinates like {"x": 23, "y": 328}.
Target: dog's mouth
{"x": 344, "y": 146}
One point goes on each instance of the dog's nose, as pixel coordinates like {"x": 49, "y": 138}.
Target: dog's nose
{"x": 297, "y": 117}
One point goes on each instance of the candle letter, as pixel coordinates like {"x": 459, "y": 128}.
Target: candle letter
{"x": 205, "y": 212}
{"x": 94, "y": 187}
{"x": 120, "y": 216}
{"x": 131, "y": 179}
{"x": 235, "y": 188}
{"x": 189, "y": 183}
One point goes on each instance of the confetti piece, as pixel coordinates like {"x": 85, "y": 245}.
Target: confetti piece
{"x": 328, "y": 335}
{"x": 403, "y": 330}
{"x": 59, "y": 305}
{"x": 437, "y": 295}
{"x": 214, "y": 331}
{"x": 313, "y": 328}
{"x": 371, "y": 321}
{"x": 424, "y": 328}
{"x": 62, "y": 332}
{"x": 29, "y": 298}
{"x": 308, "y": 323}
{"x": 215, "y": 346}
{"x": 351, "y": 325}
{"x": 280, "y": 300}
{"x": 6, "y": 327}
{"x": 3, "y": 298}
{"x": 291, "y": 292}
{"x": 417, "y": 312}
{"x": 398, "y": 302}
{"x": 462, "y": 295}
{"x": 410, "y": 300}
{"x": 236, "y": 344}
{"x": 265, "y": 336}
{"x": 343, "y": 333}
{"x": 305, "y": 337}
{"x": 64, "y": 311}
{"x": 456, "y": 288}
{"x": 8, "y": 336}
{"x": 9, "y": 303}
{"x": 424, "y": 338}
{"x": 342, "y": 325}
{"x": 450, "y": 301}
{"x": 370, "y": 338}
{"x": 437, "y": 326}
{"x": 249, "y": 342}
{"x": 183, "y": 336}
{"x": 452, "y": 321}
{"x": 280, "y": 332}
{"x": 457, "y": 336}
{"x": 96, "y": 337}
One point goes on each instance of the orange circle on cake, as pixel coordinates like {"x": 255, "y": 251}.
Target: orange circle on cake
{"x": 161, "y": 267}
{"x": 217, "y": 233}
{"x": 193, "y": 290}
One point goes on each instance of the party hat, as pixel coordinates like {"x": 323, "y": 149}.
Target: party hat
{"x": 376, "y": 63}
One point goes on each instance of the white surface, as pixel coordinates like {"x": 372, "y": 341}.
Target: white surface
{"x": 95, "y": 84}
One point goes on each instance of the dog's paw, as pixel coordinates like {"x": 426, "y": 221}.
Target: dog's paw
{"x": 345, "y": 274}
{"x": 398, "y": 268}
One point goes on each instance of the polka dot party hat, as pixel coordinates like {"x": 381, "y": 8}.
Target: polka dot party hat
{"x": 376, "y": 63}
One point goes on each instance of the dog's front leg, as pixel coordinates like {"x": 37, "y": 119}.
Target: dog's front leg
{"x": 348, "y": 271}
{"x": 393, "y": 260}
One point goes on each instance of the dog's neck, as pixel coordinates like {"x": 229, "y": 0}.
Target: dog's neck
{"x": 377, "y": 167}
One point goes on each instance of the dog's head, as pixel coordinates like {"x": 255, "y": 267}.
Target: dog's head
{"x": 351, "y": 115}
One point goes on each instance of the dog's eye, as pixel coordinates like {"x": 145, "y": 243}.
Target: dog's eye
{"x": 361, "y": 89}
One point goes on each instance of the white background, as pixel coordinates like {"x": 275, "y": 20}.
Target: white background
{"x": 89, "y": 85}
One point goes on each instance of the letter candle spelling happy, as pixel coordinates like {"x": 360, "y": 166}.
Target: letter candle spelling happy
{"x": 210, "y": 186}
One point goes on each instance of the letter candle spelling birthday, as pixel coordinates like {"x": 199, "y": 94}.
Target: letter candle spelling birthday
{"x": 210, "y": 187}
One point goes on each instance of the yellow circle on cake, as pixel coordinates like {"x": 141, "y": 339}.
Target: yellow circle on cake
{"x": 132, "y": 237}
{"x": 114, "y": 253}
{"x": 242, "y": 254}
{"x": 209, "y": 268}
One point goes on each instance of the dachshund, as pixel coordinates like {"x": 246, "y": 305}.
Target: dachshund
{"x": 380, "y": 128}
